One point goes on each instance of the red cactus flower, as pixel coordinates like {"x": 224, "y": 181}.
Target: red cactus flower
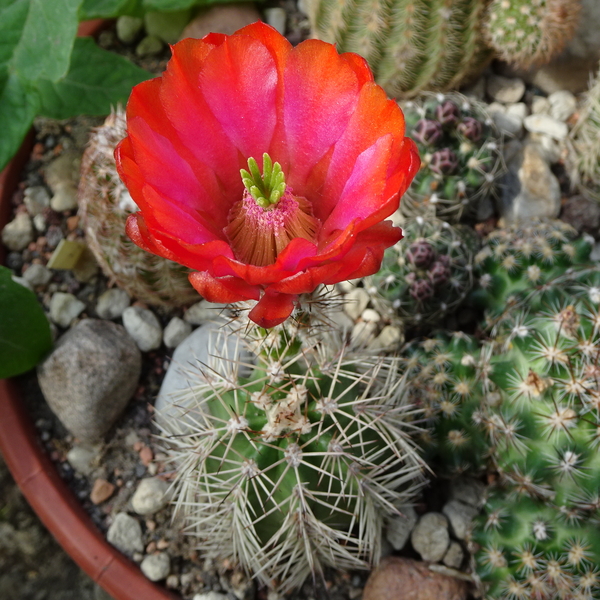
{"x": 334, "y": 165}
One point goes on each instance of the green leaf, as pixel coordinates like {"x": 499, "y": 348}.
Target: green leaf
{"x": 41, "y": 44}
{"x": 24, "y": 329}
{"x": 108, "y": 9}
{"x": 19, "y": 104}
{"x": 97, "y": 80}
{"x": 170, "y": 5}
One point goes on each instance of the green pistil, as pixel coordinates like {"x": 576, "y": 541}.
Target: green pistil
{"x": 268, "y": 188}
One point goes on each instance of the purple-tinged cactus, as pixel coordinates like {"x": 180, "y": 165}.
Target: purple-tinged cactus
{"x": 470, "y": 128}
{"x": 421, "y": 290}
{"x": 444, "y": 162}
{"x": 421, "y": 254}
{"x": 447, "y": 113}
{"x": 439, "y": 273}
{"x": 427, "y": 132}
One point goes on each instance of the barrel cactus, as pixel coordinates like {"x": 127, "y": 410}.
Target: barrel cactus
{"x": 427, "y": 274}
{"x": 460, "y": 156}
{"x": 291, "y": 462}
{"x": 104, "y": 205}
{"x": 527, "y": 33}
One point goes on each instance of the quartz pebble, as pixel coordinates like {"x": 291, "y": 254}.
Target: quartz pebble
{"x": 175, "y": 332}
{"x": 210, "y": 596}
{"x": 221, "y": 18}
{"x": 454, "y": 556}
{"x": 65, "y": 308}
{"x": 18, "y": 234}
{"x": 562, "y": 104}
{"x": 150, "y": 496}
{"x": 399, "y": 527}
{"x": 112, "y": 303}
{"x": 81, "y": 458}
{"x": 276, "y": 17}
{"x": 430, "y": 537}
{"x": 504, "y": 89}
{"x": 37, "y": 275}
{"x": 202, "y": 312}
{"x": 128, "y": 28}
{"x": 36, "y": 199}
{"x": 460, "y": 516}
{"x": 156, "y": 566}
{"x": 143, "y": 326}
{"x": 125, "y": 534}
{"x": 537, "y": 123}
{"x": 355, "y": 302}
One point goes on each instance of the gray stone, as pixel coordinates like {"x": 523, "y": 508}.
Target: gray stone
{"x": 355, "y": 302}
{"x": 156, "y": 566}
{"x": 36, "y": 199}
{"x": 504, "y": 89}
{"x": 221, "y": 18}
{"x": 128, "y": 28}
{"x": 82, "y": 458}
{"x": 390, "y": 337}
{"x": 468, "y": 491}
{"x": 18, "y": 234}
{"x": 64, "y": 198}
{"x": 562, "y": 104}
{"x": 112, "y": 303}
{"x": 167, "y": 26}
{"x": 547, "y": 125}
{"x": 276, "y": 17}
{"x": 125, "y": 533}
{"x": 507, "y": 123}
{"x": 149, "y": 46}
{"x": 454, "y": 556}
{"x": 459, "y": 516}
{"x": 63, "y": 171}
{"x": 37, "y": 275}
{"x": 90, "y": 376}
{"x": 399, "y": 527}
{"x": 39, "y": 222}
{"x": 430, "y": 537}
{"x": 540, "y": 105}
{"x": 550, "y": 149}
{"x": 203, "y": 312}
{"x": 175, "y": 332}
{"x": 150, "y": 496}
{"x": 143, "y": 326}
{"x": 65, "y": 308}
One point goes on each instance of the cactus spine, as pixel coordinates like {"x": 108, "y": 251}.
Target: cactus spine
{"x": 292, "y": 463}
{"x": 105, "y": 205}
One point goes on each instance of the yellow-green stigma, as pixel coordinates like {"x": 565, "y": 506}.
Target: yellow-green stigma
{"x": 268, "y": 188}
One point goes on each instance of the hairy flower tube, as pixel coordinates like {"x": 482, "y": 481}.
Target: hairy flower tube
{"x": 267, "y": 169}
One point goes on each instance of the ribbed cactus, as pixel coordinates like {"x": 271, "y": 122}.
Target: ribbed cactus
{"x": 530, "y": 32}
{"x": 292, "y": 463}
{"x": 104, "y": 205}
{"x": 584, "y": 151}
{"x": 412, "y": 45}
{"x": 523, "y": 259}
{"x": 460, "y": 156}
{"x": 427, "y": 274}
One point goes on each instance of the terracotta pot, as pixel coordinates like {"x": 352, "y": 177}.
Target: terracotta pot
{"x": 36, "y": 476}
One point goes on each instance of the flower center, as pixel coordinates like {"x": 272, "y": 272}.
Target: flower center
{"x": 268, "y": 217}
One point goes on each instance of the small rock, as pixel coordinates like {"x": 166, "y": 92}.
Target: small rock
{"x": 90, "y": 376}
{"x": 460, "y": 517}
{"x": 399, "y": 527}
{"x": 112, "y": 303}
{"x": 39, "y": 222}
{"x": 549, "y": 148}
{"x": 355, "y": 301}
{"x": 63, "y": 171}
{"x": 389, "y": 337}
{"x": 546, "y": 124}
{"x": 582, "y": 213}
{"x": 203, "y": 312}
{"x": 276, "y": 17}
{"x": 149, "y": 46}
{"x": 363, "y": 334}
{"x": 518, "y": 109}
{"x": 102, "y": 490}
{"x": 562, "y": 104}
{"x": 37, "y": 275}
{"x": 65, "y": 308}
{"x": 540, "y": 105}
{"x": 156, "y": 566}
{"x": 370, "y": 316}
{"x": 65, "y": 198}
{"x": 167, "y": 26}
{"x": 454, "y": 556}
{"x": 128, "y": 28}
{"x": 430, "y": 537}
{"x": 18, "y": 234}
{"x": 81, "y": 458}
{"x": 221, "y": 18}
{"x": 143, "y": 326}
{"x": 398, "y": 578}
{"x": 150, "y": 496}
{"x": 468, "y": 491}
{"x": 175, "y": 332}
{"x": 210, "y": 596}
{"x": 36, "y": 199}
{"x": 507, "y": 123}
{"x": 172, "y": 581}
{"x": 125, "y": 533}
{"x": 504, "y": 89}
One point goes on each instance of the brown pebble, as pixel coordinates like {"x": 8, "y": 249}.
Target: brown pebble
{"x": 72, "y": 222}
{"x": 38, "y": 151}
{"x": 146, "y": 456}
{"x": 150, "y": 525}
{"x": 399, "y": 578}
{"x": 101, "y": 491}
{"x": 151, "y": 548}
{"x": 162, "y": 544}
{"x": 137, "y": 446}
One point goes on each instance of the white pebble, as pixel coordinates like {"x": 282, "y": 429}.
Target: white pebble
{"x": 37, "y": 275}
{"x": 276, "y": 18}
{"x": 175, "y": 332}
{"x": 546, "y": 124}
{"x": 150, "y": 496}
{"x": 112, "y": 303}
{"x": 156, "y": 566}
{"x": 143, "y": 326}
{"x": 65, "y": 308}
{"x": 562, "y": 104}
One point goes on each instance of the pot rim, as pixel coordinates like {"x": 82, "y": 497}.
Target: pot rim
{"x": 35, "y": 474}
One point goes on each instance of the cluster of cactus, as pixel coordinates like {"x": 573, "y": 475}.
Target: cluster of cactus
{"x": 584, "y": 154}
{"x": 460, "y": 156}
{"x": 416, "y": 45}
{"x": 532, "y": 32}
{"x": 104, "y": 205}
{"x": 519, "y": 260}
{"x": 428, "y": 274}
{"x": 291, "y": 461}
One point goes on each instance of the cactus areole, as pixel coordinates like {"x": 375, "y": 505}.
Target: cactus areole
{"x": 335, "y": 163}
